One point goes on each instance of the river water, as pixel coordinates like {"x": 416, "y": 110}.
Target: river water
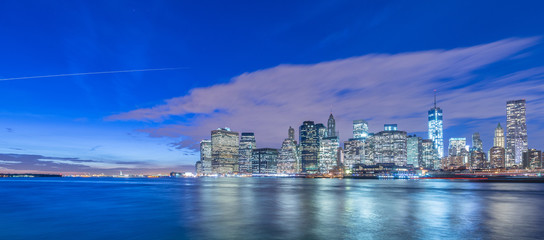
{"x": 268, "y": 208}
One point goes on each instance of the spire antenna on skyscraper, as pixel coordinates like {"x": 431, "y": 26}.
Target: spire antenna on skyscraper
{"x": 435, "y": 98}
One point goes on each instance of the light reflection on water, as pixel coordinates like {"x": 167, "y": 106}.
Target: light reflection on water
{"x": 268, "y": 208}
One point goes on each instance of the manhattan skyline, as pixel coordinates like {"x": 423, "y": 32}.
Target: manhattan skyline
{"x": 379, "y": 62}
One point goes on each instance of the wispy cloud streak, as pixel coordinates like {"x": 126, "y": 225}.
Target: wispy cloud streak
{"x": 92, "y": 73}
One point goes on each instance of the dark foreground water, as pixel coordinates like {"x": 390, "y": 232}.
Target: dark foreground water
{"x": 268, "y": 208}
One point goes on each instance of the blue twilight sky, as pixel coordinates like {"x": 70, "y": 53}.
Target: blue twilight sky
{"x": 258, "y": 66}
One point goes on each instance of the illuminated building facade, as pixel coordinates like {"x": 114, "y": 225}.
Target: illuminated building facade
{"x": 225, "y": 147}
{"x": 477, "y": 160}
{"x": 429, "y": 155}
{"x": 436, "y": 128}
{"x": 360, "y": 129}
{"x": 390, "y": 147}
{"x": 516, "y": 132}
{"x": 390, "y": 127}
{"x": 532, "y": 159}
{"x": 328, "y": 154}
{"x": 497, "y": 157}
{"x": 247, "y": 144}
{"x": 498, "y": 139}
{"x": 289, "y": 158}
{"x": 206, "y": 156}
{"x": 477, "y": 144}
{"x": 457, "y": 146}
{"x": 413, "y": 150}
{"x": 309, "y": 146}
{"x": 353, "y": 152}
{"x": 264, "y": 161}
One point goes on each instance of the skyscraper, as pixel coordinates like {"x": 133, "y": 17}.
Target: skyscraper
{"x": 206, "y": 156}
{"x": 353, "y": 152}
{"x": 516, "y": 132}
{"x": 457, "y": 146}
{"x": 532, "y": 159}
{"x": 496, "y": 157}
{"x": 477, "y": 144}
{"x": 435, "y": 128}
{"x": 328, "y": 147}
{"x": 429, "y": 155}
{"x": 331, "y": 127}
{"x": 225, "y": 144}
{"x": 498, "y": 140}
{"x": 360, "y": 129}
{"x": 247, "y": 144}
{"x": 390, "y": 147}
{"x": 413, "y": 150}
{"x": 309, "y": 144}
{"x": 264, "y": 160}
{"x": 289, "y": 159}
{"x": 328, "y": 154}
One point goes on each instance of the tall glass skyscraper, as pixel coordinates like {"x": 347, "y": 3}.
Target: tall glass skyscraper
{"x": 436, "y": 128}
{"x": 413, "y": 150}
{"x": 309, "y": 144}
{"x": 477, "y": 144}
{"x": 247, "y": 144}
{"x": 206, "y": 156}
{"x": 516, "y": 132}
{"x": 225, "y": 152}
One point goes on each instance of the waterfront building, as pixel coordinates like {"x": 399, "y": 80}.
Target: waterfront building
{"x": 309, "y": 146}
{"x": 328, "y": 154}
{"x": 225, "y": 146}
{"x": 457, "y": 146}
{"x": 360, "y": 129}
{"x": 368, "y": 156}
{"x": 452, "y": 162}
{"x": 532, "y": 159}
{"x": 436, "y": 128}
{"x": 353, "y": 152}
{"x": 413, "y": 150}
{"x": 498, "y": 140}
{"x": 198, "y": 167}
{"x": 247, "y": 144}
{"x": 497, "y": 157}
{"x": 429, "y": 155}
{"x": 289, "y": 158}
{"x": 477, "y": 144}
{"x": 390, "y": 147}
{"x": 516, "y": 132}
{"x": 264, "y": 160}
{"x": 477, "y": 160}
{"x": 206, "y": 156}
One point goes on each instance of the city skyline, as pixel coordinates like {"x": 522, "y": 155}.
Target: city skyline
{"x": 378, "y": 62}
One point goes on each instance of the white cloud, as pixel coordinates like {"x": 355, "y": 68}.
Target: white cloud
{"x": 378, "y": 87}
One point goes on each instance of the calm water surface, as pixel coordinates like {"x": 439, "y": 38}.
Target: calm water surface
{"x": 268, "y": 208}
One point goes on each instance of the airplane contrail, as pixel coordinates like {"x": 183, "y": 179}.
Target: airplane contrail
{"x": 92, "y": 73}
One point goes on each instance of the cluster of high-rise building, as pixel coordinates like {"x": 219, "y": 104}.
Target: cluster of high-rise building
{"x": 318, "y": 149}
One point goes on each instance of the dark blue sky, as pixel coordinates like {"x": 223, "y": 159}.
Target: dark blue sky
{"x": 96, "y": 117}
